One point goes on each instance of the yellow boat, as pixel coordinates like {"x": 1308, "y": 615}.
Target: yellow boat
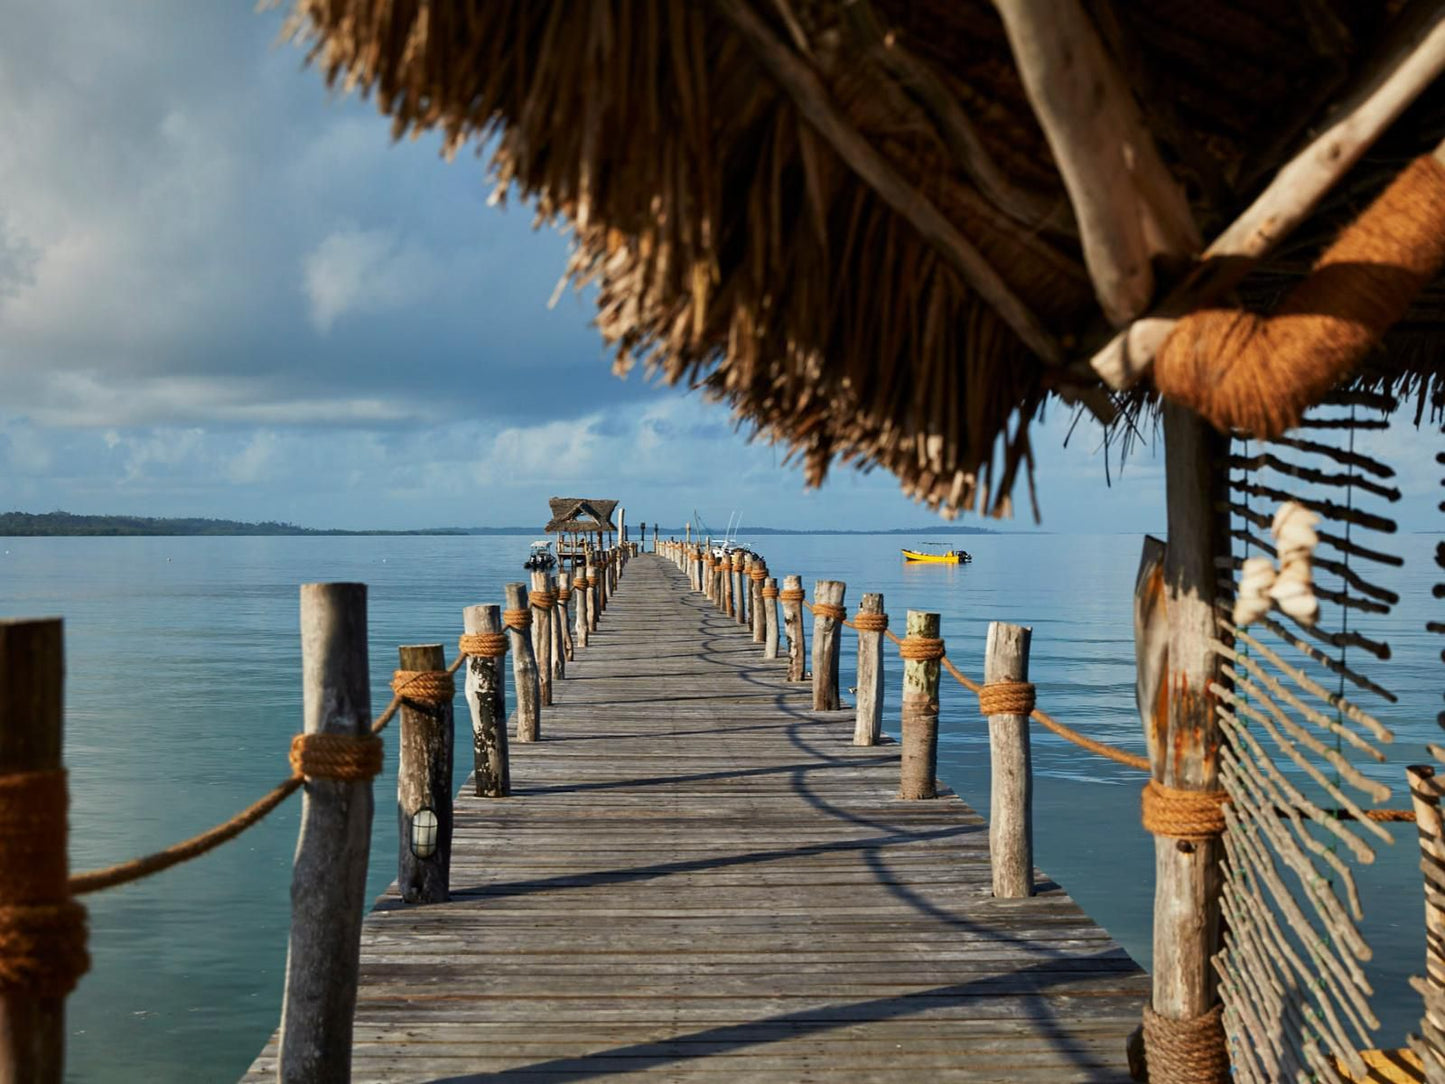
{"x": 947, "y": 557}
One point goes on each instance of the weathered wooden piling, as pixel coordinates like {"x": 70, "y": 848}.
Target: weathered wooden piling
{"x": 594, "y": 594}
{"x": 770, "y": 617}
{"x": 582, "y": 601}
{"x": 34, "y": 866}
{"x": 539, "y": 600}
{"x": 328, "y": 875}
{"x": 791, "y": 596}
{"x": 868, "y": 728}
{"x": 740, "y": 588}
{"x": 757, "y": 573}
{"x": 486, "y": 694}
{"x": 828, "y": 615}
{"x": 556, "y": 623}
{"x": 919, "y": 769}
{"x": 517, "y": 617}
{"x": 1011, "y": 788}
{"x": 564, "y": 614}
{"x": 424, "y": 783}
{"x": 1425, "y": 794}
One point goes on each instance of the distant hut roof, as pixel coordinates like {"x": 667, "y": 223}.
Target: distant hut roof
{"x": 580, "y": 515}
{"x": 847, "y": 219}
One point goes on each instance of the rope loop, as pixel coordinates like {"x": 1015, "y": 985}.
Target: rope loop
{"x": 1006, "y": 698}
{"x": 770, "y": 592}
{"x": 42, "y": 948}
{"x": 581, "y": 583}
{"x": 1192, "y": 1051}
{"x": 920, "y": 648}
{"x": 487, "y": 645}
{"x": 424, "y": 686}
{"x": 827, "y": 609}
{"x": 563, "y": 594}
{"x": 542, "y": 600}
{"x": 866, "y": 622}
{"x": 1194, "y": 815}
{"x": 758, "y": 574}
{"x": 517, "y": 619}
{"x": 336, "y": 756}
{"x": 791, "y": 594}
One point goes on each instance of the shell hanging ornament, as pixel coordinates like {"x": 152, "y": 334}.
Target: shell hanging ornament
{"x": 1291, "y": 588}
{"x": 1252, "y": 600}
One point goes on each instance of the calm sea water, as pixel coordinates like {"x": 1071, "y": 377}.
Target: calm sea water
{"x": 183, "y": 689}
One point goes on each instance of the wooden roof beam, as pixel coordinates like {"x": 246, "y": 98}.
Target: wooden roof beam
{"x": 1408, "y": 62}
{"x": 1129, "y": 207}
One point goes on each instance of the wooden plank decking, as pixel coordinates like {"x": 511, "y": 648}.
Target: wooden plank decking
{"x": 700, "y": 878}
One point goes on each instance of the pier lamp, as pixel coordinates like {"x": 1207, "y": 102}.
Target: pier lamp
{"x": 424, "y": 833}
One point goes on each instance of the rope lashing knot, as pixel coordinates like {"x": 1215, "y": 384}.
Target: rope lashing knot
{"x": 517, "y": 619}
{"x": 1193, "y": 1050}
{"x": 827, "y": 609}
{"x": 921, "y": 648}
{"x": 336, "y": 756}
{"x": 1006, "y": 698}
{"x": 1193, "y": 815}
{"x": 581, "y": 583}
{"x": 424, "y": 686}
{"x": 866, "y": 622}
{"x": 542, "y": 600}
{"x": 563, "y": 594}
{"x": 791, "y": 594}
{"x": 487, "y": 645}
{"x": 770, "y": 592}
{"x": 42, "y": 930}
{"x": 758, "y": 575}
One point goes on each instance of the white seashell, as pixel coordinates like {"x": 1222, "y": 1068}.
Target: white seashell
{"x": 1252, "y": 601}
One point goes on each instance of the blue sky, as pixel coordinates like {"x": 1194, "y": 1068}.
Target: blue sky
{"x": 224, "y": 291}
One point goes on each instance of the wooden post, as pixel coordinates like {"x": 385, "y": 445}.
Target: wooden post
{"x": 827, "y": 643}
{"x": 1425, "y": 792}
{"x": 725, "y": 580}
{"x": 524, "y": 669}
{"x": 770, "y": 616}
{"x": 486, "y": 688}
{"x": 328, "y": 876}
{"x": 868, "y": 728}
{"x": 594, "y": 595}
{"x": 740, "y": 588}
{"x": 757, "y": 572}
{"x": 579, "y": 598}
{"x": 919, "y": 767}
{"x": 1011, "y": 802}
{"x": 564, "y": 615}
{"x": 32, "y": 679}
{"x": 1185, "y": 739}
{"x": 542, "y": 639}
{"x": 424, "y": 781}
{"x": 556, "y": 624}
{"x": 793, "y": 624}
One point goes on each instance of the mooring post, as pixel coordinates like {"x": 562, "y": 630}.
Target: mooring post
{"x": 564, "y": 614}
{"x": 868, "y": 728}
{"x": 1425, "y": 792}
{"x": 791, "y": 596}
{"x": 757, "y": 573}
{"x": 486, "y": 691}
{"x": 1011, "y": 790}
{"x": 828, "y": 614}
{"x": 424, "y": 785}
{"x": 524, "y": 663}
{"x": 579, "y": 596}
{"x": 594, "y": 594}
{"x": 539, "y": 599}
{"x": 328, "y": 876}
{"x": 725, "y": 578}
{"x": 770, "y": 617}
{"x": 740, "y": 588}
{"x": 34, "y": 865}
{"x": 919, "y": 769}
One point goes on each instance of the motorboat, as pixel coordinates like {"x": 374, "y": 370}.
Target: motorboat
{"x": 540, "y": 557}
{"x": 939, "y": 556}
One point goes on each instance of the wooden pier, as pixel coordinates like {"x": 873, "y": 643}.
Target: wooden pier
{"x": 700, "y": 877}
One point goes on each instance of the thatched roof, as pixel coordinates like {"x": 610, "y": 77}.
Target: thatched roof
{"x": 845, "y": 218}
{"x": 580, "y": 515}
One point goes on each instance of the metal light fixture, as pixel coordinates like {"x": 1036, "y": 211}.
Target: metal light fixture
{"x": 424, "y": 833}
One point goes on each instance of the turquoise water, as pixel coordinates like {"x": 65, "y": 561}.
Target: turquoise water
{"x": 183, "y": 690}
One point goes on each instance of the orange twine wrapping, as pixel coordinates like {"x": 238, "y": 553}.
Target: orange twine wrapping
{"x": 827, "y": 609}
{"x": 543, "y": 600}
{"x": 770, "y": 592}
{"x": 563, "y": 594}
{"x": 1259, "y": 374}
{"x": 1006, "y": 698}
{"x": 581, "y": 583}
{"x": 791, "y": 594}
{"x": 1193, "y": 1051}
{"x": 517, "y": 619}
{"x": 1194, "y": 815}
{"x": 921, "y": 648}
{"x": 758, "y": 574}
{"x": 866, "y": 622}
{"x": 42, "y": 930}
{"x": 424, "y": 686}
{"x": 347, "y": 757}
{"x": 483, "y": 644}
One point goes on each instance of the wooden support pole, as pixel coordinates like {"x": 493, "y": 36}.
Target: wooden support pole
{"x": 793, "y": 625}
{"x": 486, "y": 690}
{"x": 725, "y": 578}
{"x": 757, "y": 572}
{"x": 770, "y": 616}
{"x": 542, "y": 639}
{"x": 827, "y": 645}
{"x": 1183, "y": 730}
{"x": 1425, "y": 793}
{"x": 564, "y": 613}
{"x": 868, "y": 729}
{"x": 32, "y": 679}
{"x": 584, "y": 613}
{"x": 1011, "y": 788}
{"x": 594, "y": 596}
{"x": 919, "y": 762}
{"x": 557, "y": 625}
{"x": 424, "y": 782}
{"x": 328, "y": 875}
{"x": 524, "y": 670}
{"x": 740, "y": 588}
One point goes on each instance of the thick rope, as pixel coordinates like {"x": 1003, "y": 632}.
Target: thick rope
{"x": 827, "y": 609}
{"x": 866, "y": 622}
{"x": 770, "y": 592}
{"x": 42, "y": 930}
{"x": 1006, "y": 698}
{"x": 348, "y": 757}
{"x": 424, "y": 686}
{"x": 758, "y": 575}
{"x": 563, "y": 594}
{"x": 517, "y": 619}
{"x": 1194, "y": 815}
{"x": 1187, "y": 1051}
{"x": 486, "y": 645}
{"x": 921, "y": 648}
{"x": 542, "y": 600}
{"x": 791, "y": 594}
{"x": 581, "y": 583}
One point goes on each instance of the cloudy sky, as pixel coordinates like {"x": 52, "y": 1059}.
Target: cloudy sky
{"x": 224, "y": 291}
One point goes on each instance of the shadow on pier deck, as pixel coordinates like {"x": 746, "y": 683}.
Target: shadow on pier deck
{"x": 700, "y": 878}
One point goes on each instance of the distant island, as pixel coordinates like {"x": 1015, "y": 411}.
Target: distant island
{"x": 67, "y": 524}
